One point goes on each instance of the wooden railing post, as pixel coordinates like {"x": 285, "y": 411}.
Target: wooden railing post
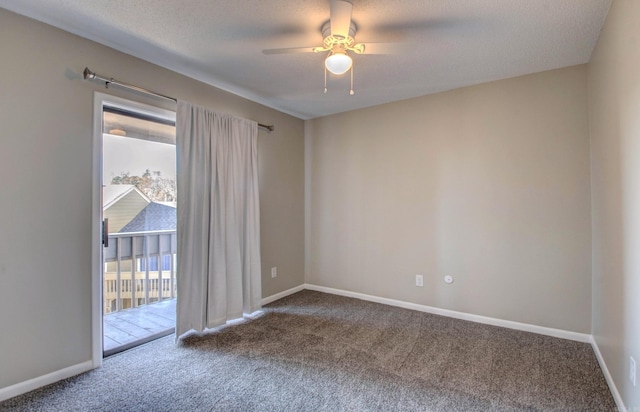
{"x": 172, "y": 269}
{"x": 146, "y": 270}
{"x": 118, "y": 284}
{"x": 133, "y": 272}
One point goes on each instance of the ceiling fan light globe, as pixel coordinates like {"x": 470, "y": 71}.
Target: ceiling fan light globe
{"x": 338, "y": 63}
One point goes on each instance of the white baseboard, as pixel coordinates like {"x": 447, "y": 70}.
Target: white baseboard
{"x": 282, "y": 294}
{"x": 607, "y": 375}
{"x": 558, "y": 333}
{"x": 40, "y": 381}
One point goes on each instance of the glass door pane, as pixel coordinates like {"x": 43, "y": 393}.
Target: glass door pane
{"x": 139, "y": 204}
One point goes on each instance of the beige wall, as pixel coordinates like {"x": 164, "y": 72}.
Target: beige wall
{"x": 489, "y": 184}
{"x": 614, "y": 112}
{"x": 46, "y": 168}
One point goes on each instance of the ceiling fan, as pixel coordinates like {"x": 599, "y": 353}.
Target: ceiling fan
{"x": 338, "y": 40}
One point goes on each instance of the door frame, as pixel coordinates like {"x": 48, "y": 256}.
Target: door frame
{"x": 99, "y": 101}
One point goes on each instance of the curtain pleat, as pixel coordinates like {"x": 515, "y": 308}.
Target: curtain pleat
{"x": 218, "y": 271}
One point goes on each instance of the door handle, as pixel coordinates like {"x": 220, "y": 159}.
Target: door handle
{"x": 105, "y": 232}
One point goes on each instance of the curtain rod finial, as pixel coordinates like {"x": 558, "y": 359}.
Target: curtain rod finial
{"x": 88, "y": 74}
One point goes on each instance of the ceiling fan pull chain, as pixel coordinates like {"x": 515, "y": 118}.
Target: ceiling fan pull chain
{"x": 325, "y": 79}
{"x": 351, "y": 92}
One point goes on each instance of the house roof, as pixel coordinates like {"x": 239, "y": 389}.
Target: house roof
{"x": 154, "y": 216}
{"x": 111, "y": 194}
{"x": 432, "y": 45}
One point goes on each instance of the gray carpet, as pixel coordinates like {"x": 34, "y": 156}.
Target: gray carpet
{"x": 318, "y": 352}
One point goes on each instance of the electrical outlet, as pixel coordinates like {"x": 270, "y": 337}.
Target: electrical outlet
{"x": 419, "y": 280}
{"x": 632, "y": 370}
{"x": 274, "y": 272}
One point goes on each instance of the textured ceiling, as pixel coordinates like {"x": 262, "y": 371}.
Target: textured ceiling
{"x": 442, "y": 44}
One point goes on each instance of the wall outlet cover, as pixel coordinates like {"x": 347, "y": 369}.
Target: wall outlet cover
{"x": 419, "y": 280}
{"x": 632, "y": 370}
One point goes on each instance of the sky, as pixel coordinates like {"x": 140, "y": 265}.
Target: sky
{"x": 125, "y": 154}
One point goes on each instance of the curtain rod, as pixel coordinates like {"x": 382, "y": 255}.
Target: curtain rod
{"x": 88, "y": 74}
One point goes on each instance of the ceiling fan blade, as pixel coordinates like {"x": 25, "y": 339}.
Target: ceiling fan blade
{"x": 289, "y": 50}
{"x": 433, "y": 26}
{"x": 340, "y": 17}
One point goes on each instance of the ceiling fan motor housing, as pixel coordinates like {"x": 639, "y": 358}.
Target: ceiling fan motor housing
{"x": 337, "y": 43}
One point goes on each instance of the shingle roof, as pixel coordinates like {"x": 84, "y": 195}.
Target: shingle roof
{"x": 154, "y": 216}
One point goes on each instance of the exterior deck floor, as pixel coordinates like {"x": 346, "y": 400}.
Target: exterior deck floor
{"x": 130, "y": 327}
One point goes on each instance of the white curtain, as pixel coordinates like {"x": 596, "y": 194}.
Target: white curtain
{"x": 218, "y": 218}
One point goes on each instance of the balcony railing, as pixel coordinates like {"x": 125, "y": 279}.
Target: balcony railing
{"x": 139, "y": 268}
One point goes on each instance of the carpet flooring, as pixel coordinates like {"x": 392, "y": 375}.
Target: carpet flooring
{"x": 318, "y": 352}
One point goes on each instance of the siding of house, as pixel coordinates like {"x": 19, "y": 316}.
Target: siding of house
{"x": 125, "y": 209}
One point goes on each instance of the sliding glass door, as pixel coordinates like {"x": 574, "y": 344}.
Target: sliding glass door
{"x": 138, "y": 210}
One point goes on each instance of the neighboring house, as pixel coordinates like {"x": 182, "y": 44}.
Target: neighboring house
{"x": 155, "y": 216}
{"x": 121, "y": 203}
{"x": 130, "y": 210}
